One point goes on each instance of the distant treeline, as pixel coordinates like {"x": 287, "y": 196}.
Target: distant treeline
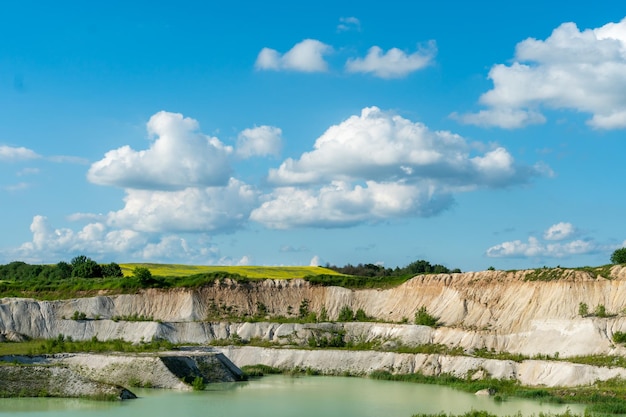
{"x": 373, "y": 270}
{"x": 79, "y": 267}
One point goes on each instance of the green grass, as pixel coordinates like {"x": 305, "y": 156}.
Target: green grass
{"x": 355, "y": 282}
{"x": 253, "y": 272}
{"x": 62, "y": 344}
{"x": 555, "y": 274}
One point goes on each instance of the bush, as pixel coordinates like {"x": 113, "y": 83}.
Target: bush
{"x": 198, "y": 383}
{"x": 423, "y": 318}
{"x": 361, "y": 316}
{"x": 619, "y": 256}
{"x": 601, "y": 311}
{"x": 583, "y": 309}
{"x": 79, "y": 316}
{"x": 619, "y": 337}
{"x": 346, "y": 314}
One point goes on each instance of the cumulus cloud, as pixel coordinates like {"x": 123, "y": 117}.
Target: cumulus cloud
{"x": 306, "y": 56}
{"x": 349, "y": 23}
{"x": 394, "y": 63}
{"x": 584, "y": 71}
{"x": 384, "y": 147}
{"x": 378, "y": 165}
{"x": 197, "y": 210}
{"x": 179, "y": 157}
{"x": 315, "y": 261}
{"x": 534, "y": 248}
{"x": 559, "y": 231}
{"x": 548, "y": 248}
{"x": 100, "y": 241}
{"x": 10, "y": 153}
{"x": 259, "y": 141}
{"x": 94, "y": 238}
{"x": 341, "y": 204}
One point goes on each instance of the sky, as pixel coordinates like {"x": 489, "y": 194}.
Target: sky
{"x": 468, "y": 134}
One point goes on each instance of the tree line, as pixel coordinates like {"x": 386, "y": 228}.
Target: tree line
{"x": 79, "y": 267}
{"x": 374, "y": 271}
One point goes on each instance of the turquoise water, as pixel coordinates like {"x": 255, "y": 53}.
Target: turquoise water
{"x": 285, "y": 396}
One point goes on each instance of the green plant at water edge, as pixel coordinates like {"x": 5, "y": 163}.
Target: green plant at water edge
{"x": 423, "y": 318}
{"x": 198, "y": 384}
{"x": 260, "y": 370}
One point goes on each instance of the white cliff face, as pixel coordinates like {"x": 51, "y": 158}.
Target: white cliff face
{"x": 529, "y": 372}
{"x": 495, "y": 310}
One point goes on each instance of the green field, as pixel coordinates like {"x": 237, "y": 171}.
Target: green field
{"x": 272, "y": 272}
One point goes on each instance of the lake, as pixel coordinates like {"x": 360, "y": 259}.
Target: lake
{"x": 286, "y": 396}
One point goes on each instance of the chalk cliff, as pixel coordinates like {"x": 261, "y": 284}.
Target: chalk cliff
{"x": 497, "y": 310}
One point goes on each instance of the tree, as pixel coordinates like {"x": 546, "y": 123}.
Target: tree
{"x": 112, "y": 270}
{"x": 619, "y": 256}
{"x": 64, "y": 270}
{"x": 84, "y": 267}
{"x": 143, "y": 275}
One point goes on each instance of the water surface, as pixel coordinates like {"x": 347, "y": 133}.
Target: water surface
{"x": 285, "y": 396}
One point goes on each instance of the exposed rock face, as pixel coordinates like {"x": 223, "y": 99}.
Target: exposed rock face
{"x": 492, "y": 309}
{"x": 497, "y": 310}
{"x": 55, "y": 381}
{"x": 103, "y": 376}
{"x": 529, "y": 373}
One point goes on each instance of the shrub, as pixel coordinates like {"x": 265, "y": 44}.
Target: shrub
{"x": 79, "y": 316}
{"x": 423, "y": 318}
{"x": 619, "y": 256}
{"x": 619, "y": 337}
{"x": 323, "y": 314}
{"x": 583, "y": 309}
{"x": 601, "y": 311}
{"x": 346, "y": 314}
{"x": 361, "y": 316}
{"x": 198, "y": 383}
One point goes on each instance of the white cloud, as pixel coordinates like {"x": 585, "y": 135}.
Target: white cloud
{"x": 10, "y": 153}
{"x": 315, "y": 261}
{"x": 100, "y": 241}
{"x": 548, "y": 248}
{"x": 341, "y": 204}
{"x": 349, "y": 23}
{"x": 189, "y": 210}
{"x": 94, "y": 238}
{"x": 377, "y": 166}
{"x": 179, "y": 157}
{"x": 533, "y": 248}
{"x": 505, "y": 118}
{"x": 306, "y": 56}
{"x": 394, "y": 63}
{"x": 559, "y": 231}
{"x": 385, "y": 147}
{"x": 584, "y": 71}
{"x": 259, "y": 141}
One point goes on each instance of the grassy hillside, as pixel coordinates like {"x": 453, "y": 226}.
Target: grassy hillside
{"x": 273, "y": 272}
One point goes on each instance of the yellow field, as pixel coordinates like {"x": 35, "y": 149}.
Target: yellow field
{"x": 273, "y": 272}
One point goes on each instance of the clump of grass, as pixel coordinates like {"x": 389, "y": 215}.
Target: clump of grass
{"x": 423, "y": 318}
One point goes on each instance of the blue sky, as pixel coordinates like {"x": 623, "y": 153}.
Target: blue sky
{"x": 278, "y": 133}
